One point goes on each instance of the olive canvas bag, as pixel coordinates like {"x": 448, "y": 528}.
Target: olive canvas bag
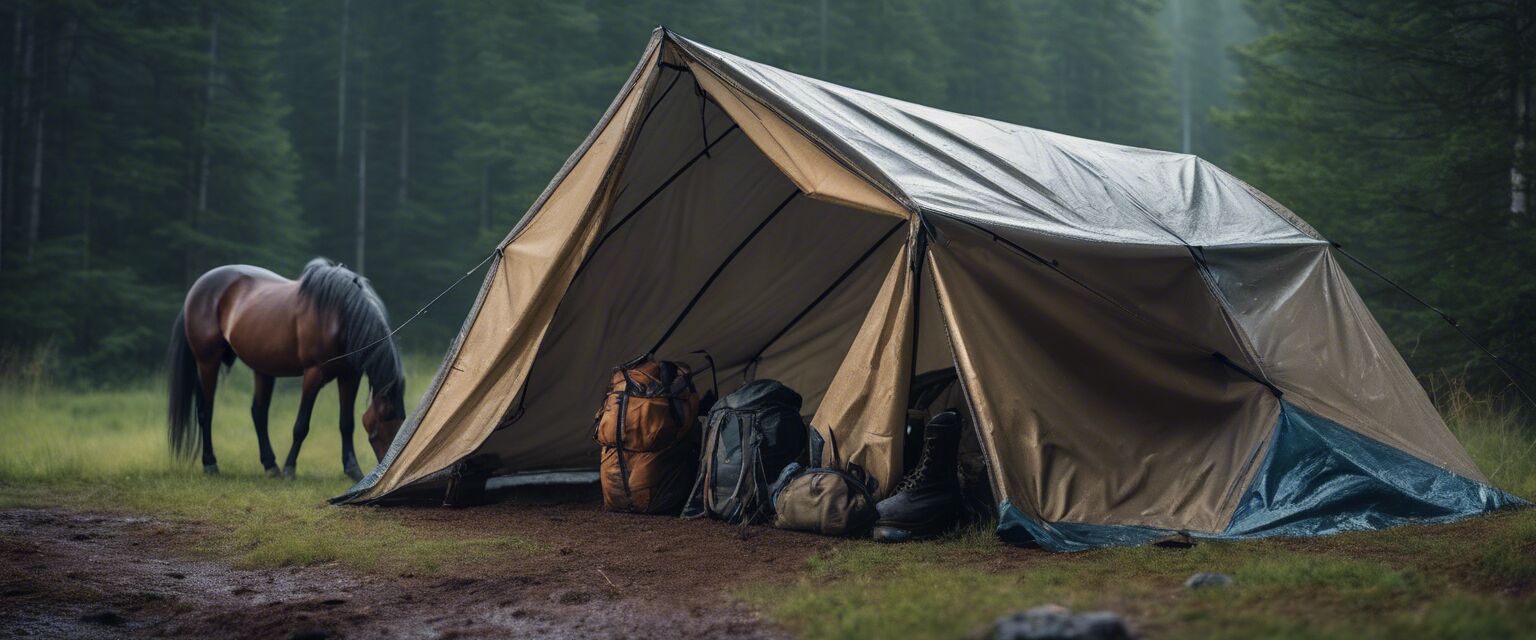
{"x": 836, "y": 500}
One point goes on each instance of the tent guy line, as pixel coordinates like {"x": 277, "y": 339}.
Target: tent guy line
{"x": 1498, "y": 361}
{"x": 419, "y": 312}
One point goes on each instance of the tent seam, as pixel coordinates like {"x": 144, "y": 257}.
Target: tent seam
{"x": 885, "y": 185}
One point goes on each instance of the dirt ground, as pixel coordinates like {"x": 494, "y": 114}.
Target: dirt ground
{"x": 93, "y": 575}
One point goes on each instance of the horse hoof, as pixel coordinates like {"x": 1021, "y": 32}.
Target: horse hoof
{"x": 354, "y": 473}
{"x": 274, "y": 472}
{"x": 289, "y": 473}
{"x": 211, "y": 469}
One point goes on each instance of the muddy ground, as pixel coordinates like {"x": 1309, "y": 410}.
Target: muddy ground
{"x": 93, "y": 575}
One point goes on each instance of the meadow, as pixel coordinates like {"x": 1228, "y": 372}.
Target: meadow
{"x": 66, "y": 447}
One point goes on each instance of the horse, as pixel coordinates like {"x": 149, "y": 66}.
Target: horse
{"x": 328, "y": 325}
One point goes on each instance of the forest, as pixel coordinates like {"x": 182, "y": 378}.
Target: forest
{"x": 145, "y": 141}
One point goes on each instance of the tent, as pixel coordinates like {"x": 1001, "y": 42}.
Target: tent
{"x": 1146, "y": 344}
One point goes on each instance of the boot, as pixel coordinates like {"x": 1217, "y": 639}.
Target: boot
{"x": 927, "y": 502}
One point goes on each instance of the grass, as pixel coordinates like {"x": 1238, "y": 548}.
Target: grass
{"x": 105, "y": 449}
{"x": 1414, "y": 582}
{"x": 1473, "y": 579}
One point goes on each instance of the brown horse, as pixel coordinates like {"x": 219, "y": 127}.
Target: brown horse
{"x": 329, "y": 325}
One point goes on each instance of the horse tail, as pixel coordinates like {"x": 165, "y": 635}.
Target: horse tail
{"x": 183, "y": 383}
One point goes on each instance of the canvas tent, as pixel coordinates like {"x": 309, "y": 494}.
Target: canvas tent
{"x": 1146, "y": 343}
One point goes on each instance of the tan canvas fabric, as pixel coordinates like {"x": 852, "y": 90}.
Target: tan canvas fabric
{"x": 530, "y": 279}
{"x": 865, "y": 408}
{"x": 818, "y": 175}
{"x": 1320, "y": 344}
{"x": 643, "y": 278}
{"x": 1095, "y": 413}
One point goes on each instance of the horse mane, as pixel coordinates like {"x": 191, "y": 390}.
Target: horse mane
{"x": 365, "y": 329}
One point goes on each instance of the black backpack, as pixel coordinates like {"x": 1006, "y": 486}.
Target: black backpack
{"x": 752, "y": 434}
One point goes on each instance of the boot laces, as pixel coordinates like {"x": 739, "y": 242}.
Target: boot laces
{"x": 917, "y": 475}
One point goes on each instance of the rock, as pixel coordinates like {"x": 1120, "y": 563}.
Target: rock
{"x": 106, "y": 616}
{"x": 1055, "y": 622}
{"x": 310, "y": 634}
{"x": 1206, "y": 580}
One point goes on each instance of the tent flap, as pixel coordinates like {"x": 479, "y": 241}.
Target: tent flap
{"x": 865, "y": 408}
{"x": 479, "y": 379}
{"x": 1318, "y": 478}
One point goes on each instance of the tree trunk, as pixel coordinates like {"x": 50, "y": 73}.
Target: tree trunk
{"x": 35, "y": 209}
{"x": 485, "y": 196}
{"x": 1519, "y": 183}
{"x": 1520, "y": 92}
{"x": 79, "y": 198}
{"x": 205, "y": 152}
{"x": 10, "y": 147}
{"x": 362, "y": 183}
{"x": 341, "y": 87}
{"x": 403, "y": 194}
{"x": 4, "y": 120}
{"x": 823, "y": 39}
{"x": 1181, "y": 68}
{"x": 34, "y": 215}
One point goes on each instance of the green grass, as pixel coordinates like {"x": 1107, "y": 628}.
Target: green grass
{"x": 1474, "y": 579}
{"x": 106, "y": 450}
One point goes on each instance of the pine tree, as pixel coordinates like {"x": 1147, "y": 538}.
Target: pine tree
{"x": 1108, "y": 71}
{"x": 1398, "y": 128}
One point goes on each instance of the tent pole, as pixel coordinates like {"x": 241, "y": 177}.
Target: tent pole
{"x": 827, "y": 292}
{"x": 675, "y": 175}
{"x": 719, "y": 270}
{"x": 919, "y": 259}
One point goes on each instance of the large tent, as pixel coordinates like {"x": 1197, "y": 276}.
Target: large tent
{"x": 1146, "y": 344}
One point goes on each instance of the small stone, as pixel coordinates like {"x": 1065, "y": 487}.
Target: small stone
{"x": 106, "y": 616}
{"x": 1055, "y": 622}
{"x": 1205, "y": 580}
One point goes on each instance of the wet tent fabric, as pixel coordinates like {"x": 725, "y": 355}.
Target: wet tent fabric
{"x": 1146, "y": 344}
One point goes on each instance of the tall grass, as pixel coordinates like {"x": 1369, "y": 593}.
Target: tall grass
{"x": 1497, "y": 437}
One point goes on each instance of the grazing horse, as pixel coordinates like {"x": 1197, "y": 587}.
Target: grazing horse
{"x": 329, "y": 325}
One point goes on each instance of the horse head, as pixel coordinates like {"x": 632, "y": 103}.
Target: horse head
{"x": 382, "y": 420}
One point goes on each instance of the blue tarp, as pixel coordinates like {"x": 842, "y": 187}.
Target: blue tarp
{"x": 1318, "y": 478}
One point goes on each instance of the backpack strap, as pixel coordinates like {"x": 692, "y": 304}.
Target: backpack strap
{"x": 618, "y": 448}
{"x": 713, "y": 376}
{"x": 698, "y": 499}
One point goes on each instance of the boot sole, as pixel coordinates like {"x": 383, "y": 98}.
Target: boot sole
{"x": 895, "y": 535}
{"x": 929, "y": 527}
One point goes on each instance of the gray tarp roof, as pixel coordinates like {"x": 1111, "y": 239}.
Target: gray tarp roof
{"x": 1117, "y": 379}
{"x": 1008, "y": 175}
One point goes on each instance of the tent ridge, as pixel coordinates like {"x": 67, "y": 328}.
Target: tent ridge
{"x": 884, "y": 183}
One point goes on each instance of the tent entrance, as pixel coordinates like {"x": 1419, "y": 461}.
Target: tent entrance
{"x": 708, "y": 246}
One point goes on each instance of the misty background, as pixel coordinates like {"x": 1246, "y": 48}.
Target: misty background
{"x": 144, "y": 142}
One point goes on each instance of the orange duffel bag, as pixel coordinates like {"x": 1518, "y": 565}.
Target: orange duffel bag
{"x": 648, "y": 429}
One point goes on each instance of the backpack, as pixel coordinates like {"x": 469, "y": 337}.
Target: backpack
{"x": 752, "y": 434}
{"x": 831, "y": 500}
{"x": 649, "y": 437}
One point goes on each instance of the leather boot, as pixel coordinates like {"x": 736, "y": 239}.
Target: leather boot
{"x": 927, "y": 502}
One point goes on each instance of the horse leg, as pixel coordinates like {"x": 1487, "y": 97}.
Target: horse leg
{"x": 313, "y": 380}
{"x": 346, "y": 391}
{"x": 208, "y": 374}
{"x": 261, "y": 400}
